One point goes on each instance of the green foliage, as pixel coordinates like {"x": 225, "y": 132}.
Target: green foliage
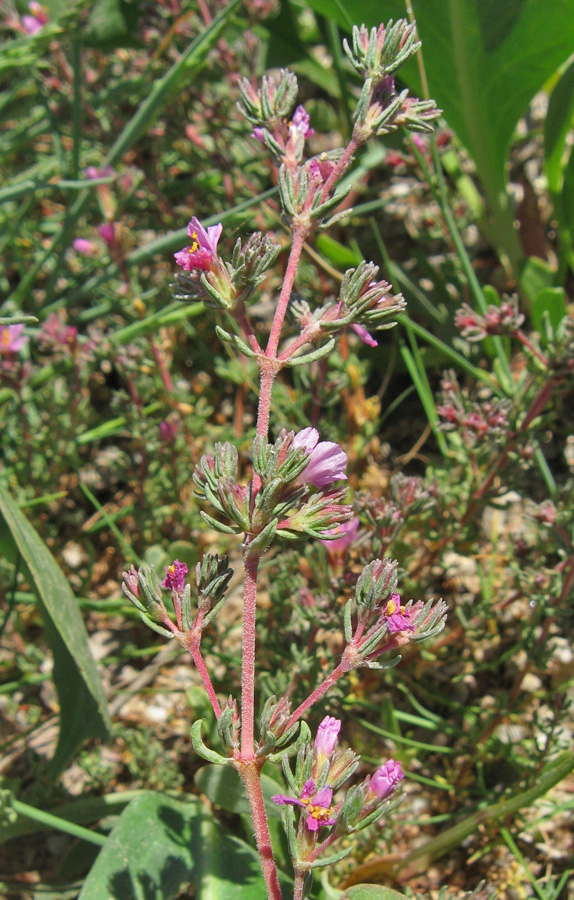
{"x": 159, "y": 845}
{"x": 82, "y": 447}
{"x": 83, "y": 706}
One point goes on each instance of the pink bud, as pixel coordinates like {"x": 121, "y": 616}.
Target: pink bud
{"x": 386, "y": 778}
{"x": 327, "y": 734}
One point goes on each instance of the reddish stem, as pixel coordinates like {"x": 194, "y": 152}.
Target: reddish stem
{"x": 299, "y": 237}
{"x": 248, "y": 657}
{"x": 342, "y": 669}
{"x": 530, "y": 346}
{"x": 162, "y": 366}
{"x": 251, "y": 777}
{"x": 207, "y": 683}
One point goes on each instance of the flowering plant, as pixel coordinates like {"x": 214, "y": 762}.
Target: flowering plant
{"x": 296, "y": 490}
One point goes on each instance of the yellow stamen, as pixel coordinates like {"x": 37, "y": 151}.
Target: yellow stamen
{"x": 318, "y": 812}
{"x": 391, "y": 607}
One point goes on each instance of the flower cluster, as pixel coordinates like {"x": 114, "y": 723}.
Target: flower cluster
{"x": 281, "y": 503}
{"x": 321, "y": 770}
{"x": 477, "y": 422}
{"x": 409, "y": 496}
{"x": 141, "y": 586}
{"x": 503, "y": 319}
{"x": 382, "y": 622}
{"x": 270, "y": 111}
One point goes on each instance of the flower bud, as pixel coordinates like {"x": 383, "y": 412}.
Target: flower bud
{"x": 327, "y": 735}
{"x": 385, "y": 779}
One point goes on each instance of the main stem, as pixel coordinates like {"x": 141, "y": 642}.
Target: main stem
{"x": 251, "y": 777}
{"x": 248, "y": 657}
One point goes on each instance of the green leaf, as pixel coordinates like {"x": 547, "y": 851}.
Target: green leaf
{"x": 535, "y": 276}
{"x": 186, "y": 553}
{"x": 552, "y": 301}
{"x": 160, "y": 845}
{"x": 371, "y": 892}
{"x": 111, "y": 23}
{"x": 83, "y": 707}
{"x": 558, "y": 124}
{"x": 336, "y": 253}
{"x": 222, "y": 785}
{"x": 484, "y": 60}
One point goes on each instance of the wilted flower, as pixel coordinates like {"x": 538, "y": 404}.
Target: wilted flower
{"x": 327, "y": 461}
{"x": 385, "y": 779}
{"x": 317, "y": 804}
{"x": 131, "y": 580}
{"x": 57, "y": 335}
{"x": 175, "y": 576}
{"x": 11, "y": 339}
{"x": 364, "y": 335}
{"x": 202, "y": 251}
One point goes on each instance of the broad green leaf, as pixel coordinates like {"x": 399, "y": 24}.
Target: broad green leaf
{"x": 111, "y": 23}
{"x": 160, "y": 845}
{"x": 551, "y": 301}
{"x": 83, "y": 707}
{"x": 185, "y": 552}
{"x": 535, "y": 276}
{"x": 371, "y": 892}
{"x": 484, "y": 60}
{"x": 558, "y": 124}
{"x": 222, "y": 785}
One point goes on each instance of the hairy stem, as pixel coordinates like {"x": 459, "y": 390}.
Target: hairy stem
{"x": 342, "y": 669}
{"x": 299, "y": 237}
{"x": 207, "y": 683}
{"x": 251, "y": 777}
{"x": 248, "y": 657}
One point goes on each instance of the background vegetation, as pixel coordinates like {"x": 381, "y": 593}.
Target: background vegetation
{"x": 117, "y": 122}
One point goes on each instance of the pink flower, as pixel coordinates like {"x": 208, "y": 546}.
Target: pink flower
{"x": 385, "y": 779}
{"x": 34, "y": 23}
{"x": 347, "y": 534}
{"x": 258, "y": 134}
{"x": 327, "y": 462}
{"x": 327, "y": 734}
{"x": 107, "y": 232}
{"x": 299, "y": 125}
{"x": 168, "y": 431}
{"x": 11, "y": 338}
{"x": 317, "y": 804}
{"x": 92, "y": 173}
{"x": 85, "y": 247}
{"x": 398, "y": 617}
{"x": 364, "y": 335}
{"x": 175, "y": 576}
{"x": 202, "y": 251}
